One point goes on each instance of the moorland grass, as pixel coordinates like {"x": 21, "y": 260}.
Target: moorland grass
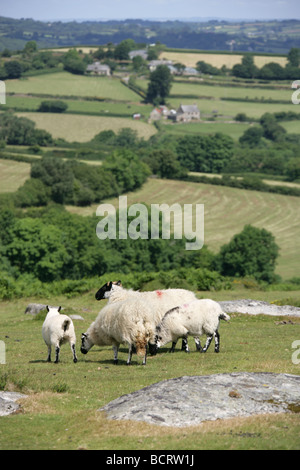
{"x": 61, "y": 409}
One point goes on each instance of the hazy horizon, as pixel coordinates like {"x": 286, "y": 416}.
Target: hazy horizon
{"x": 163, "y": 10}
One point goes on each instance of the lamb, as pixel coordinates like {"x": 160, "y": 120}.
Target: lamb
{"x": 56, "y": 330}
{"x": 160, "y": 300}
{"x": 194, "y": 318}
{"x": 120, "y": 323}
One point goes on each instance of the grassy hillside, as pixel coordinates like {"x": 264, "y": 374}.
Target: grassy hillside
{"x": 227, "y": 210}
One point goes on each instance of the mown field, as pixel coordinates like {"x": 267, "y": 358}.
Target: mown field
{"x": 81, "y": 128}
{"x": 61, "y": 409}
{"x": 227, "y": 210}
{"x": 190, "y": 59}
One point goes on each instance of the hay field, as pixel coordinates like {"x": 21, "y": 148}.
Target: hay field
{"x": 227, "y": 211}
{"x": 80, "y": 128}
{"x": 190, "y": 59}
{"x": 13, "y": 175}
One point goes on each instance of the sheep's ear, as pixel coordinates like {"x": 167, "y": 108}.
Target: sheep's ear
{"x": 59, "y": 308}
{"x": 47, "y": 308}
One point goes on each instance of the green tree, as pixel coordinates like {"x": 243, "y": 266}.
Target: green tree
{"x": 252, "y": 136}
{"x": 57, "y": 175}
{"x": 53, "y": 106}
{"x": 122, "y": 50}
{"x": 130, "y": 172}
{"x": 205, "y": 153}
{"x": 160, "y": 85}
{"x": 247, "y": 69}
{"x": 294, "y": 57}
{"x": 37, "y": 248}
{"x": 165, "y": 164}
{"x": 13, "y": 69}
{"x": 253, "y": 252}
{"x": 30, "y": 47}
{"x": 272, "y": 130}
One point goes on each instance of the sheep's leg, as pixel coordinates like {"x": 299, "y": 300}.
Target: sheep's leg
{"x": 208, "y": 341}
{"x": 73, "y": 352}
{"x": 49, "y": 354}
{"x": 57, "y": 349}
{"x": 116, "y": 350}
{"x": 185, "y": 346}
{"x": 145, "y": 357}
{"x": 173, "y": 346}
{"x": 198, "y": 344}
{"x": 217, "y": 341}
{"x": 129, "y": 355}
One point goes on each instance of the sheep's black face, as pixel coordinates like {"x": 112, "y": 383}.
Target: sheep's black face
{"x": 103, "y": 292}
{"x": 153, "y": 349}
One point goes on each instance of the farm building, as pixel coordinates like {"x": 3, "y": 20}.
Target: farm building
{"x": 159, "y": 113}
{"x": 188, "y": 112}
{"x": 98, "y": 69}
{"x": 153, "y": 64}
{"x": 138, "y": 53}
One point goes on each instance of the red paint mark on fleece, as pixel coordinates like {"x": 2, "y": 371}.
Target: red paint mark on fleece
{"x": 159, "y": 293}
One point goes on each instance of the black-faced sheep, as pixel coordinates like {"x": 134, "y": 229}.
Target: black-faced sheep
{"x": 191, "y": 319}
{"x": 160, "y": 301}
{"x": 56, "y": 330}
{"x": 121, "y": 323}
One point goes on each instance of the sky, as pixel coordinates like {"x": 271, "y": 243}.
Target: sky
{"x": 160, "y": 9}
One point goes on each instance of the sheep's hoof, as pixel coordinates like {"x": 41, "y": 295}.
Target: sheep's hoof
{"x": 115, "y": 362}
{"x": 75, "y": 360}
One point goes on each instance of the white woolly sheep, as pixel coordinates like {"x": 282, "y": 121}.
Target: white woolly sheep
{"x": 160, "y": 301}
{"x": 56, "y": 330}
{"x": 120, "y": 323}
{"x": 194, "y": 319}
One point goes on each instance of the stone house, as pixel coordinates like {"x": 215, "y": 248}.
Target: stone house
{"x": 186, "y": 113}
{"x": 98, "y": 69}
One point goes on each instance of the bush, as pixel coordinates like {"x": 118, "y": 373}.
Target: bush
{"x": 253, "y": 252}
{"x": 52, "y": 106}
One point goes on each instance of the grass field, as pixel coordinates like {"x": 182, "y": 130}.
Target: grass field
{"x": 61, "y": 409}
{"x": 127, "y": 109}
{"x": 234, "y": 129}
{"x": 13, "y": 175}
{"x": 190, "y": 59}
{"x": 227, "y": 210}
{"x": 67, "y": 84}
{"x": 82, "y": 128}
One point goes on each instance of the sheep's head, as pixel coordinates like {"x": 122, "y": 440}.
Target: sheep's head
{"x": 104, "y": 291}
{"x": 155, "y": 344}
{"x": 86, "y": 343}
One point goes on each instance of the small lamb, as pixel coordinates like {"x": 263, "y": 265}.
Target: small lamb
{"x": 56, "y": 330}
{"x": 194, "y": 318}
